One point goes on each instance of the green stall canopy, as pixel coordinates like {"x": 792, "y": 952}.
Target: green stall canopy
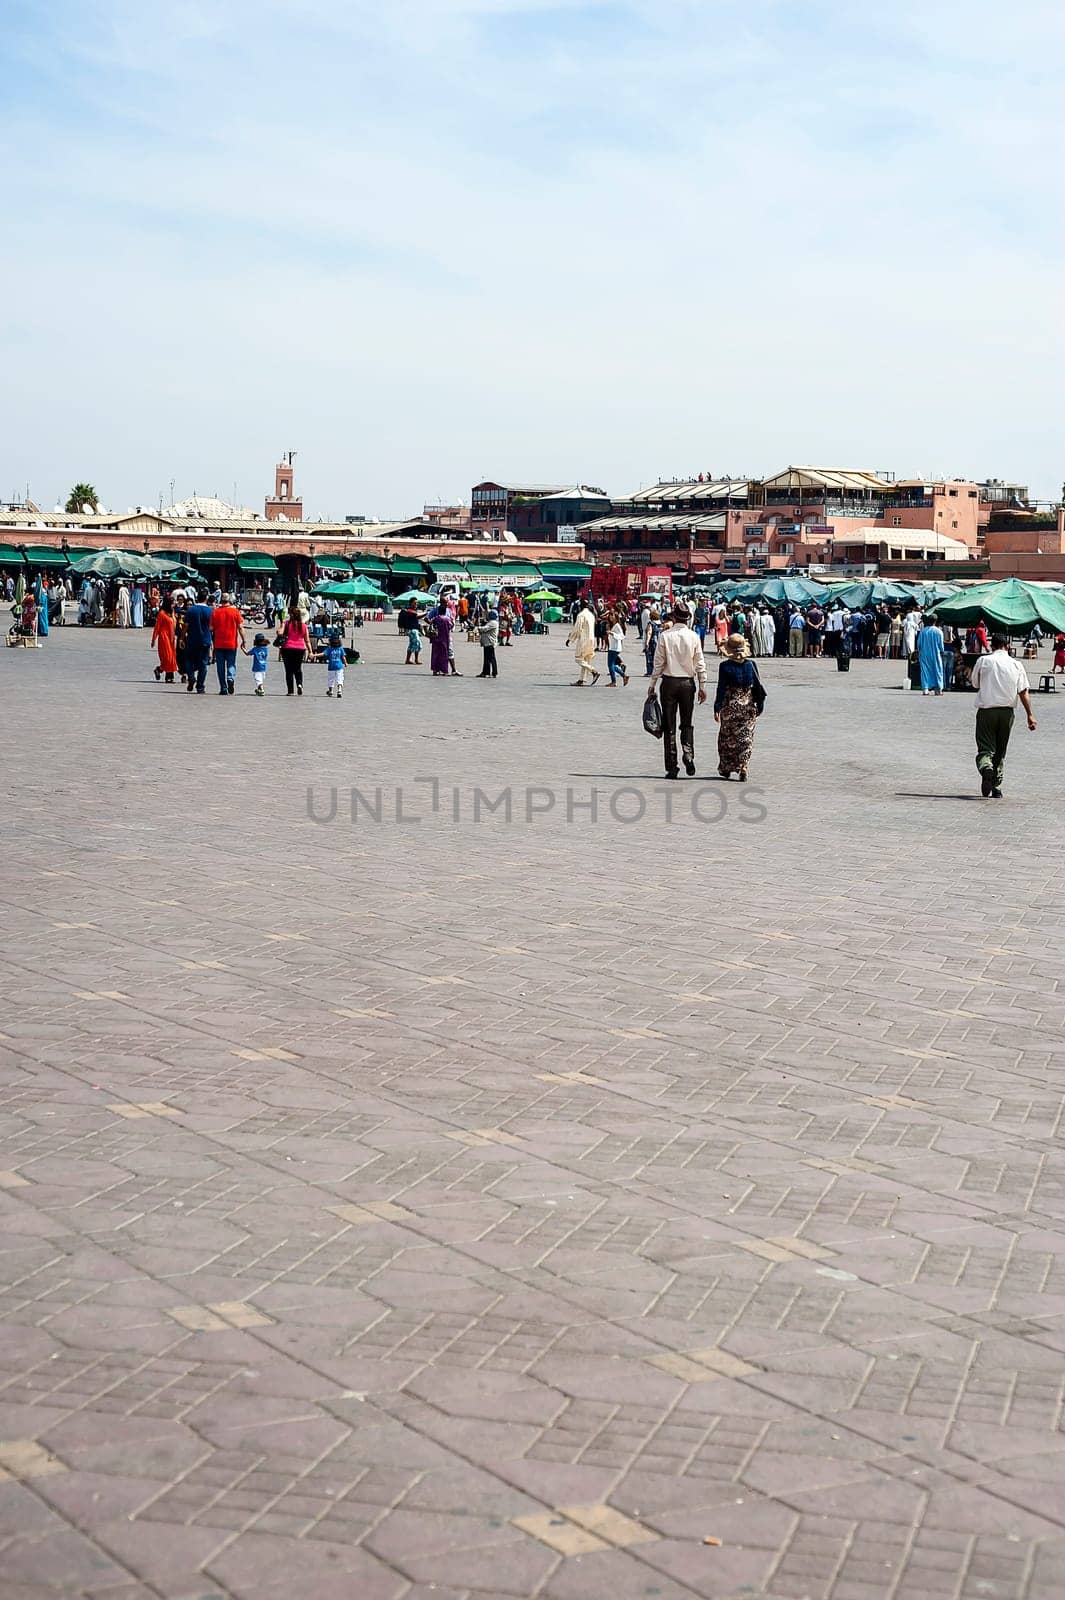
{"x": 796, "y": 591}
{"x": 483, "y": 568}
{"x": 41, "y": 556}
{"x": 371, "y": 565}
{"x": 409, "y": 566}
{"x": 1011, "y": 604}
{"x": 559, "y": 571}
{"x": 871, "y": 591}
{"x": 213, "y": 558}
{"x": 8, "y": 553}
{"x": 255, "y": 561}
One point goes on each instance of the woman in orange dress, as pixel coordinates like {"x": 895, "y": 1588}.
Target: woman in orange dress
{"x": 163, "y": 639}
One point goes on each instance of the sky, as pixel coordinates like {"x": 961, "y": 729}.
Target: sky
{"x": 428, "y": 242}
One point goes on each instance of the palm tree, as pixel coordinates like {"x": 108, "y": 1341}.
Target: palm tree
{"x": 82, "y": 497}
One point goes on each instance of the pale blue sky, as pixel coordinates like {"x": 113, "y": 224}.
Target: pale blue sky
{"x": 430, "y": 241}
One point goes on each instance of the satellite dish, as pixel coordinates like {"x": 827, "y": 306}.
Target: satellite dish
{"x": 86, "y": 510}
{"x": 59, "y": 509}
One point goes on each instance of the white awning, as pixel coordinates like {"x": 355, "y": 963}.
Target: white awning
{"x": 907, "y": 540}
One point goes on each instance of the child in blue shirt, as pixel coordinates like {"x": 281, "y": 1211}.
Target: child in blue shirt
{"x": 334, "y": 660}
{"x": 260, "y": 655}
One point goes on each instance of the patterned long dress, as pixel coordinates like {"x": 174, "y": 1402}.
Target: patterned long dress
{"x": 735, "y": 732}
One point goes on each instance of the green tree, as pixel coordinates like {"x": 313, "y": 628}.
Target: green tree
{"x": 82, "y": 495}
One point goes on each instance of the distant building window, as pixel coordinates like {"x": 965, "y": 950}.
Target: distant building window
{"x": 953, "y": 493}
{"x": 896, "y": 522}
{"x": 954, "y": 524}
{"x": 972, "y": 494}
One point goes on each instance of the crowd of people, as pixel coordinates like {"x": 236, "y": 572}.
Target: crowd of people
{"x": 877, "y": 632}
{"x": 673, "y": 640}
{"x": 193, "y": 628}
{"x": 491, "y": 620}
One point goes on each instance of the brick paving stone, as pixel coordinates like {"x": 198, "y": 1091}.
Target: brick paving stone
{"x": 374, "y": 1193}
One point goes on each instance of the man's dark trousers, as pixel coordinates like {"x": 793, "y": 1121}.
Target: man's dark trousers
{"x": 196, "y": 670}
{"x": 677, "y": 694}
{"x": 993, "y": 727}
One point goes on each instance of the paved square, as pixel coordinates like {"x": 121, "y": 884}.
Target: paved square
{"x": 508, "y": 1192}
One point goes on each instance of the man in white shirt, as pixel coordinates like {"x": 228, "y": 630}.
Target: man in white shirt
{"x": 1000, "y": 682}
{"x": 833, "y": 629}
{"x": 679, "y": 667}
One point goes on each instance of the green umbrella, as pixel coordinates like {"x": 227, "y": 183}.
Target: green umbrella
{"x": 543, "y": 594}
{"x": 414, "y": 597}
{"x": 177, "y": 569}
{"x": 350, "y": 589}
{"x": 1010, "y": 604}
{"x": 118, "y": 564}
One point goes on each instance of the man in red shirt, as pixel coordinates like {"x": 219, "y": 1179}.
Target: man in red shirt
{"x": 227, "y": 632}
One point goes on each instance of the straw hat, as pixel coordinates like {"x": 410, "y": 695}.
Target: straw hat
{"x": 736, "y": 647}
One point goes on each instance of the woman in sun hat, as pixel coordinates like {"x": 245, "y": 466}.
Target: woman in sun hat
{"x": 736, "y": 708}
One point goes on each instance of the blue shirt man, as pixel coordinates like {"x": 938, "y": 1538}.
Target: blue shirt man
{"x": 197, "y": 644}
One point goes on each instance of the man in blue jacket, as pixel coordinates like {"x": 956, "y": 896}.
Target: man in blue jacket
{"x": 197, "y": 643}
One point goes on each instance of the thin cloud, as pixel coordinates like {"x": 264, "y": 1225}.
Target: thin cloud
{"x": 440, "y": 238}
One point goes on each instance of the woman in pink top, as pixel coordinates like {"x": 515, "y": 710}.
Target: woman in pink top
{"x": 295, "y": 644}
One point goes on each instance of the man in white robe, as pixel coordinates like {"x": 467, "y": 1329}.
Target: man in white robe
{"x": 582, "y": 637}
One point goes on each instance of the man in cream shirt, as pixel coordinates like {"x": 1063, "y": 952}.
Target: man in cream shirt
{"x": 1000, "y": 682}
{"x": 679, "y": 667}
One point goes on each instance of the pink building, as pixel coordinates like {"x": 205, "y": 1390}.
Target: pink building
{"x": 825, "y": 516}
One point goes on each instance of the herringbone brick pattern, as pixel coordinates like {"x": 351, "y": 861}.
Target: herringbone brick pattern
{"x": 544, "y": 1209}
